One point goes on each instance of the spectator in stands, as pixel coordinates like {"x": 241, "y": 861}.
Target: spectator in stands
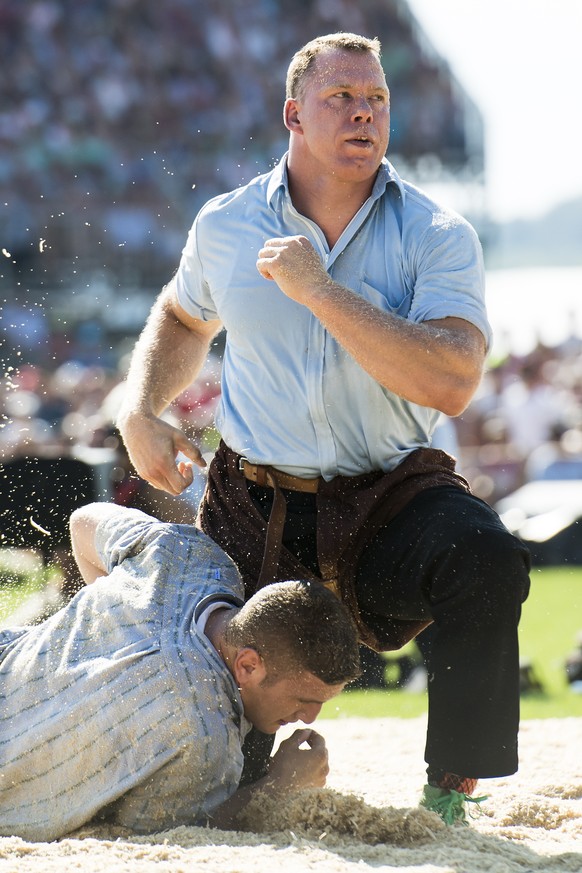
{"x": 101, "y": 98}
{"x": 532, "y": 409}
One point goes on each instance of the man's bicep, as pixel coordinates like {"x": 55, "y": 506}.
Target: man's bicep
{"x": 205, "y": 329}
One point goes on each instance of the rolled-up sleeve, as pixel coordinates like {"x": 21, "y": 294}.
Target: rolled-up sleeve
{"x": 450, "y": 274}
{"x": 124, "y": 535}
{"x": 191, "y": 287}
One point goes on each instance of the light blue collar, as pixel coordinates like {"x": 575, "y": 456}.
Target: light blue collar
{"x": 279, "y": 181}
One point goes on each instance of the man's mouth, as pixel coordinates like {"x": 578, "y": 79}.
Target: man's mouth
{"x": 362, "y": 141}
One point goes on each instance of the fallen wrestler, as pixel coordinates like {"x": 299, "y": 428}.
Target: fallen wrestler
{"x": 132, "y": 703}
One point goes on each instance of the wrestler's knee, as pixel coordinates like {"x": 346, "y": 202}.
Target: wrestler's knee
{"x": 486, "y": 561}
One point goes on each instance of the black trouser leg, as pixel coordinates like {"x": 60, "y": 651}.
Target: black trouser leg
{"x": 424, "y": 643}
{"x": 448, "y": 555}
{"x": 445, "y": 556}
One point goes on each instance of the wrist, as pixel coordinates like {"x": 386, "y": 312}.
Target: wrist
{"x": 128, "y": 415}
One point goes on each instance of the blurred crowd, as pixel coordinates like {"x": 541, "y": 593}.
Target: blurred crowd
{"x": 70, "y": 412}
{"x": 118, "y": 118}
{"x": 60, "y": 449}
{"x": 524, "y": 424}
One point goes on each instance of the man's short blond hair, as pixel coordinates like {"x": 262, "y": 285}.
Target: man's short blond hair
{"x": 298, "y": 626}
{"x": 303, "y": 59}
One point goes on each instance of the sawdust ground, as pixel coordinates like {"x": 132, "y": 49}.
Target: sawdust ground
{"x": 367, "y": 817}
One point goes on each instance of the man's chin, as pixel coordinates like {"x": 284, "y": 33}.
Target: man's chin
{"x": 269, "y": 728}
{"x": 358, "y": 169}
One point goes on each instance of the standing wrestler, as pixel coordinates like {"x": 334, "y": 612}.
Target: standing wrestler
{"x": 354, "y": 314}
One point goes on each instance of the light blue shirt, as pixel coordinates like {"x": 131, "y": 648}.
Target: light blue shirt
{"x": 119, "y": 702}
{"x": 291, "y": 396}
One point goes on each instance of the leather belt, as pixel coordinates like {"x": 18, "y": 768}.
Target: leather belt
{"x": 263, "y": 475}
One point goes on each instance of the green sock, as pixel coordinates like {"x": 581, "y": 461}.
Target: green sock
{"x": 448, "y": 803}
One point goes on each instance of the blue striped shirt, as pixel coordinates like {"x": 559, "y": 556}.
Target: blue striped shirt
{"x": 118, "y": 704}
{"x": 291, "y": 396}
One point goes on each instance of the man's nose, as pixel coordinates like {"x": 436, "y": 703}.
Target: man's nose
{"x": 308, "y": 713}
{"x": 363, "y": 111}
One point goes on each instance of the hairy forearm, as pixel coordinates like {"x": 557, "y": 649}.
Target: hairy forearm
{"x": 436, "y": 363}
{"x": 166, "y": 359}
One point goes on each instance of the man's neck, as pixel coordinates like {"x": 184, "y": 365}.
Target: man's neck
{"x": 214, "y": 630}
{"x": 330, "y": 205}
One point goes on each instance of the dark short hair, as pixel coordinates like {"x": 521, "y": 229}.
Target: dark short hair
{"x": 299, "y": 625}
{"x": 302, "y": 60}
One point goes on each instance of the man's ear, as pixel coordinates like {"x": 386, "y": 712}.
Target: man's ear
{"x": 248, "y": 668}
{"x": 291, "y": 116}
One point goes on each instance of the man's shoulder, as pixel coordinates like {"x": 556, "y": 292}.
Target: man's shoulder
{"x": 169, "y": 545}
{"x": 189, "y": 559}
{"x": 190, "y": 538}
{"x": 423, "y": 210}
{"x": 230, "y": 203}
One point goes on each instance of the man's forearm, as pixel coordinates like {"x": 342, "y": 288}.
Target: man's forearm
{"x": 436, "y": 363}
{"x": 167, "y": 357}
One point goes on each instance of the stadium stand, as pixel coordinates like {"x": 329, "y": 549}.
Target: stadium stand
{"x": 119, "y": 118}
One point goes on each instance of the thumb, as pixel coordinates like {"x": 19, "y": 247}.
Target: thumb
{"x": 189, "y": 449}
{"x": 315, "y": 740}
{"x": 301, "y": 735}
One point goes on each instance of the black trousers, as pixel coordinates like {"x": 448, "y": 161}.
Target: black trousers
{"x": 448, "y": 557}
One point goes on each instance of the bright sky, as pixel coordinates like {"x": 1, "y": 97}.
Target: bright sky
{"x": 521, "y": 62}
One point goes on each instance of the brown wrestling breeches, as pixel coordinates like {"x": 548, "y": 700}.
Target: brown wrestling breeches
{"x": 350, "y": 511}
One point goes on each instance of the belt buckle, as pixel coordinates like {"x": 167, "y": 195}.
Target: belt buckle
{"x": 241, "y": 464}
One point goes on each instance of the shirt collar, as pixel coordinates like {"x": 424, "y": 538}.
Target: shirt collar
{"x": 214, "y": 601}
{"x": 387, "y": 175}
{"x": 279, "y": 181}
